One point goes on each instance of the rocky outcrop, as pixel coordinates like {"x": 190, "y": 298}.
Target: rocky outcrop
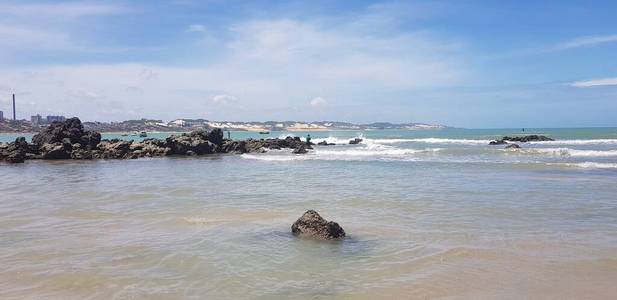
{"x": 311, "y": 224}
{"x": 325, "y": 143}
{"x": 521, "y": 139}
{"x": 513, "y": 146}
{"x": 69, "y": 140}
{"x": 300, "y": 150}
{"x": 56, "y": 150}
{"x": 355, "y": 141}
{"x": 261, "y": 145}
{"x": 70, "y": 131}
{"x": 197, "y": 142}
{"x": 17, "y": 151}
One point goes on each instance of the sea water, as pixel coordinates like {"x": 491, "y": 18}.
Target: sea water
{"x": 429, "y": 214}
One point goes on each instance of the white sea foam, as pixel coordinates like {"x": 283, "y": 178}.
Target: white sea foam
{"x": 586, "y": 165}
{"x": 434, "y": 141}
{"x": 331, "y": 140}
{"x": 579, "y": 142}
{"x": 570, "y": 152}
{"x": 374, "y": 151}
{"x": 367, "y": 152}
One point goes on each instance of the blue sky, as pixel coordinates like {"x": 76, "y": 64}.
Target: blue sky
{"x": 459, "y": 63}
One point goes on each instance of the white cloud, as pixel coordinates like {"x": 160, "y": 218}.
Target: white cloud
{"x": 595, "y": 82}
{"x": 318, "y": 102}
{"x": 196, "y": 28}
{"x": 586, "y": 41}
{"x": 223, "y": 99}
{"x": 264, "y": 69}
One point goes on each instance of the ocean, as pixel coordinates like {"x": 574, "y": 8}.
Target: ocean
{"x": 428, "y": 214}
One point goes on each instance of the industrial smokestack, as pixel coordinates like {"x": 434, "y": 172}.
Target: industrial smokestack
{"x": 14, "y": 115}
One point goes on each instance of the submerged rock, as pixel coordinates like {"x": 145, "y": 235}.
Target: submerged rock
{"x": 513, "y": 146}
{"x": 300, "y": 150}
{"x": 325, "y": 143}
{"x": 311, "y": 224}
{"x": 522, "y": 139}
{"x": 355, "y": 141}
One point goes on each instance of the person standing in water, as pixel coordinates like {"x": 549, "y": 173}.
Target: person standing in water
{"x": 308, "y": 139}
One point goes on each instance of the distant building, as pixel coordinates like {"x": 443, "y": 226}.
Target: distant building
{"x": 55, "y": 118}
{"x": 36, "y": 119}
{"x": 1, "y": 115}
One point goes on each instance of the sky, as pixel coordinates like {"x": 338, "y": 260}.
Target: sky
{"x": 473, "y": 64}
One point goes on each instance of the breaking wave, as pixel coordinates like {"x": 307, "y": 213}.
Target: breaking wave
{"x": 586, "y": 165}
{"x": 376, "y": 152}
{"x": 434, "y": 141}
{"x": 579, "y": 142}
{"x": 571, "y": 152}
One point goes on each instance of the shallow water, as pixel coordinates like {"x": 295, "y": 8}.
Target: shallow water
{"x": 429, "y": 214}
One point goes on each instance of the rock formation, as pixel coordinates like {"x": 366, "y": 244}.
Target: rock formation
{"x": 69, "y": 140}
{"x": 521, "y": 139}
{"x": 355, "y": 141}
{"x": 311, "y": 224}
{"x": 325, "y": 143}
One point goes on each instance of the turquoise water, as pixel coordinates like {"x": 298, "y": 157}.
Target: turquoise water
{"x": 556, "y": 133}
{"x": 429, "y": 214}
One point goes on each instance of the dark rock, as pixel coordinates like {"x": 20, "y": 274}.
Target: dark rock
{"x": 81, "y": 154}
{"x": 528, "y": 138}
{"x": 355, "y": 141}
{"x": 215, "y": 136}
{"x": 300, "y": 150}
{"x": 114, "y": 149}
{"x": 521, "y": 139}
{"x": 196, "y": 141}
{"x": 55, "y": 151}
{"x": 72, "y": 130}
{"x": 230, "y": 146}
{"x": 324, "y": 143}
{"x": 513, "y": 146}
{"x": 17, "y": 151}
{"x": 311, "y": 224}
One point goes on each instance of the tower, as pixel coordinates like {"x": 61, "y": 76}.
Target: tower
{"x": 14, "y": 115}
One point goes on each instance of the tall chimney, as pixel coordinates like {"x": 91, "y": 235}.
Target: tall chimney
{"x": 14, "y": 115}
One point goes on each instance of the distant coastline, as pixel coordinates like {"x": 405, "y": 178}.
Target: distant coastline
{"x": 187, "y": 125}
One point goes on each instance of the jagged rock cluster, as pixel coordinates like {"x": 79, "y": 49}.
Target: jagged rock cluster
{"x": 69, "y": 140}
{"x": 311, "y": 224}
{"x": 253, "y": 145}
{"x": 522, "y": 139}
{"x": 355, "y": 141}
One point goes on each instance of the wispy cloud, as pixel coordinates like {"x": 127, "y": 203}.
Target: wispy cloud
{"x": 574, "y": 43}
{"x": 223, "y": 99}
{"x": 595, "y": 82}
{"x": 318, "y": 102}
{"x": 196, "y": 28}
{"x": 585, "y": 41}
